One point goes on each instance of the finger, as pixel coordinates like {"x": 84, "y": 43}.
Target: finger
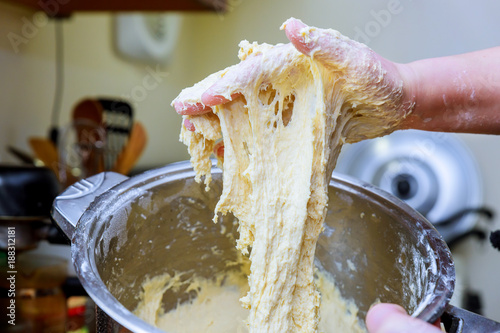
{"x": 184, "y": 108}
{"x": 391, "y": 318}
{"x": 219, "y": 149}
{"x": 380, "y": 313}
{"x": 326, "y": 45}
{"x": 189, "y": 125}
{"x": 293, "y": 32}
{"x": 188, "y": 102}
{"x": 233, "y": 82}
{"x": 211, "y": 98}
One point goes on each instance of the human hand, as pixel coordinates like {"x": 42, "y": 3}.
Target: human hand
{"x": 382, "y": 89}
{"x": 391, "y": 318}
{"x": 374, "y": 88}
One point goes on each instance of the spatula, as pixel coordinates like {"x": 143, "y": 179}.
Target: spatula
{"x": 117, "y": 118}
{"x": 133, "y": 150}
{"x": 46, "y": 152}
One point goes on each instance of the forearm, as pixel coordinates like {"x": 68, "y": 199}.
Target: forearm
{"x": 455, "y": 94}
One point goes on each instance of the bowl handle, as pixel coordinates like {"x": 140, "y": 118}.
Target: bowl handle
{"x": 458, "y": 320}
{"x": 70, "y": 205}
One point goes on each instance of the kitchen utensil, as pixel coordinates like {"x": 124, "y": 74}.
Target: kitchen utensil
{"x": 124, "y": 230}
{"x": 87, "y": 122}
{"x": 45, "y": 151}
{"x": 118, "y": 120}
{"x": 26, "y": 196}
{"x": 133, "y": 150}
{"x": 27, "y": 191}
{"x": 22, "y": 156}
{"x": 89, "y": 109}
{"x": 81, "y": 150}
{"x": 115, "y": 116}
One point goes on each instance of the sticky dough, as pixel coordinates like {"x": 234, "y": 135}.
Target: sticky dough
{"x": 216, "y": 309}
{"x": 282, "y": 136}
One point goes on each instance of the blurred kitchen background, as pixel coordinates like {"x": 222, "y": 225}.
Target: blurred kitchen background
{"x": 50, "y": 64}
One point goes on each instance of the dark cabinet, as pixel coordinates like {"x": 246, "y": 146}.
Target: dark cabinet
{"x": 67, "y": 7}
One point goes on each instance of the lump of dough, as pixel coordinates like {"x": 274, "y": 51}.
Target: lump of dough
{"x": 282, "y": 136}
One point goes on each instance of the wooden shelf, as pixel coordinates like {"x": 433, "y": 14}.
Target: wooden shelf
{"x": 67, "y": 7}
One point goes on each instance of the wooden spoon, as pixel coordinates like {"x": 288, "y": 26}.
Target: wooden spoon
{"x": 46, "y": 152}
{"x": 89, "y": 109}
{"x": 87, "y": 121}
{"x": 133, "y": 150}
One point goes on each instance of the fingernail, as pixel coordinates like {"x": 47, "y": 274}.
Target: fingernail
{"x": 190, "y": 109}
{"x": 301, "y": 39}
{"x": 209, "y": 99}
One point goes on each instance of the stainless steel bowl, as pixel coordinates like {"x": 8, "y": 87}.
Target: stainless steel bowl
{"x": 124, "y": 230}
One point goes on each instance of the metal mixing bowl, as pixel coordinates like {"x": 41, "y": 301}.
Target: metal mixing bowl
{"x": 124, "y": 230}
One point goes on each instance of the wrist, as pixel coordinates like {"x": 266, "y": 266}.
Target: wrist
{"x": 409, "y": 97}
